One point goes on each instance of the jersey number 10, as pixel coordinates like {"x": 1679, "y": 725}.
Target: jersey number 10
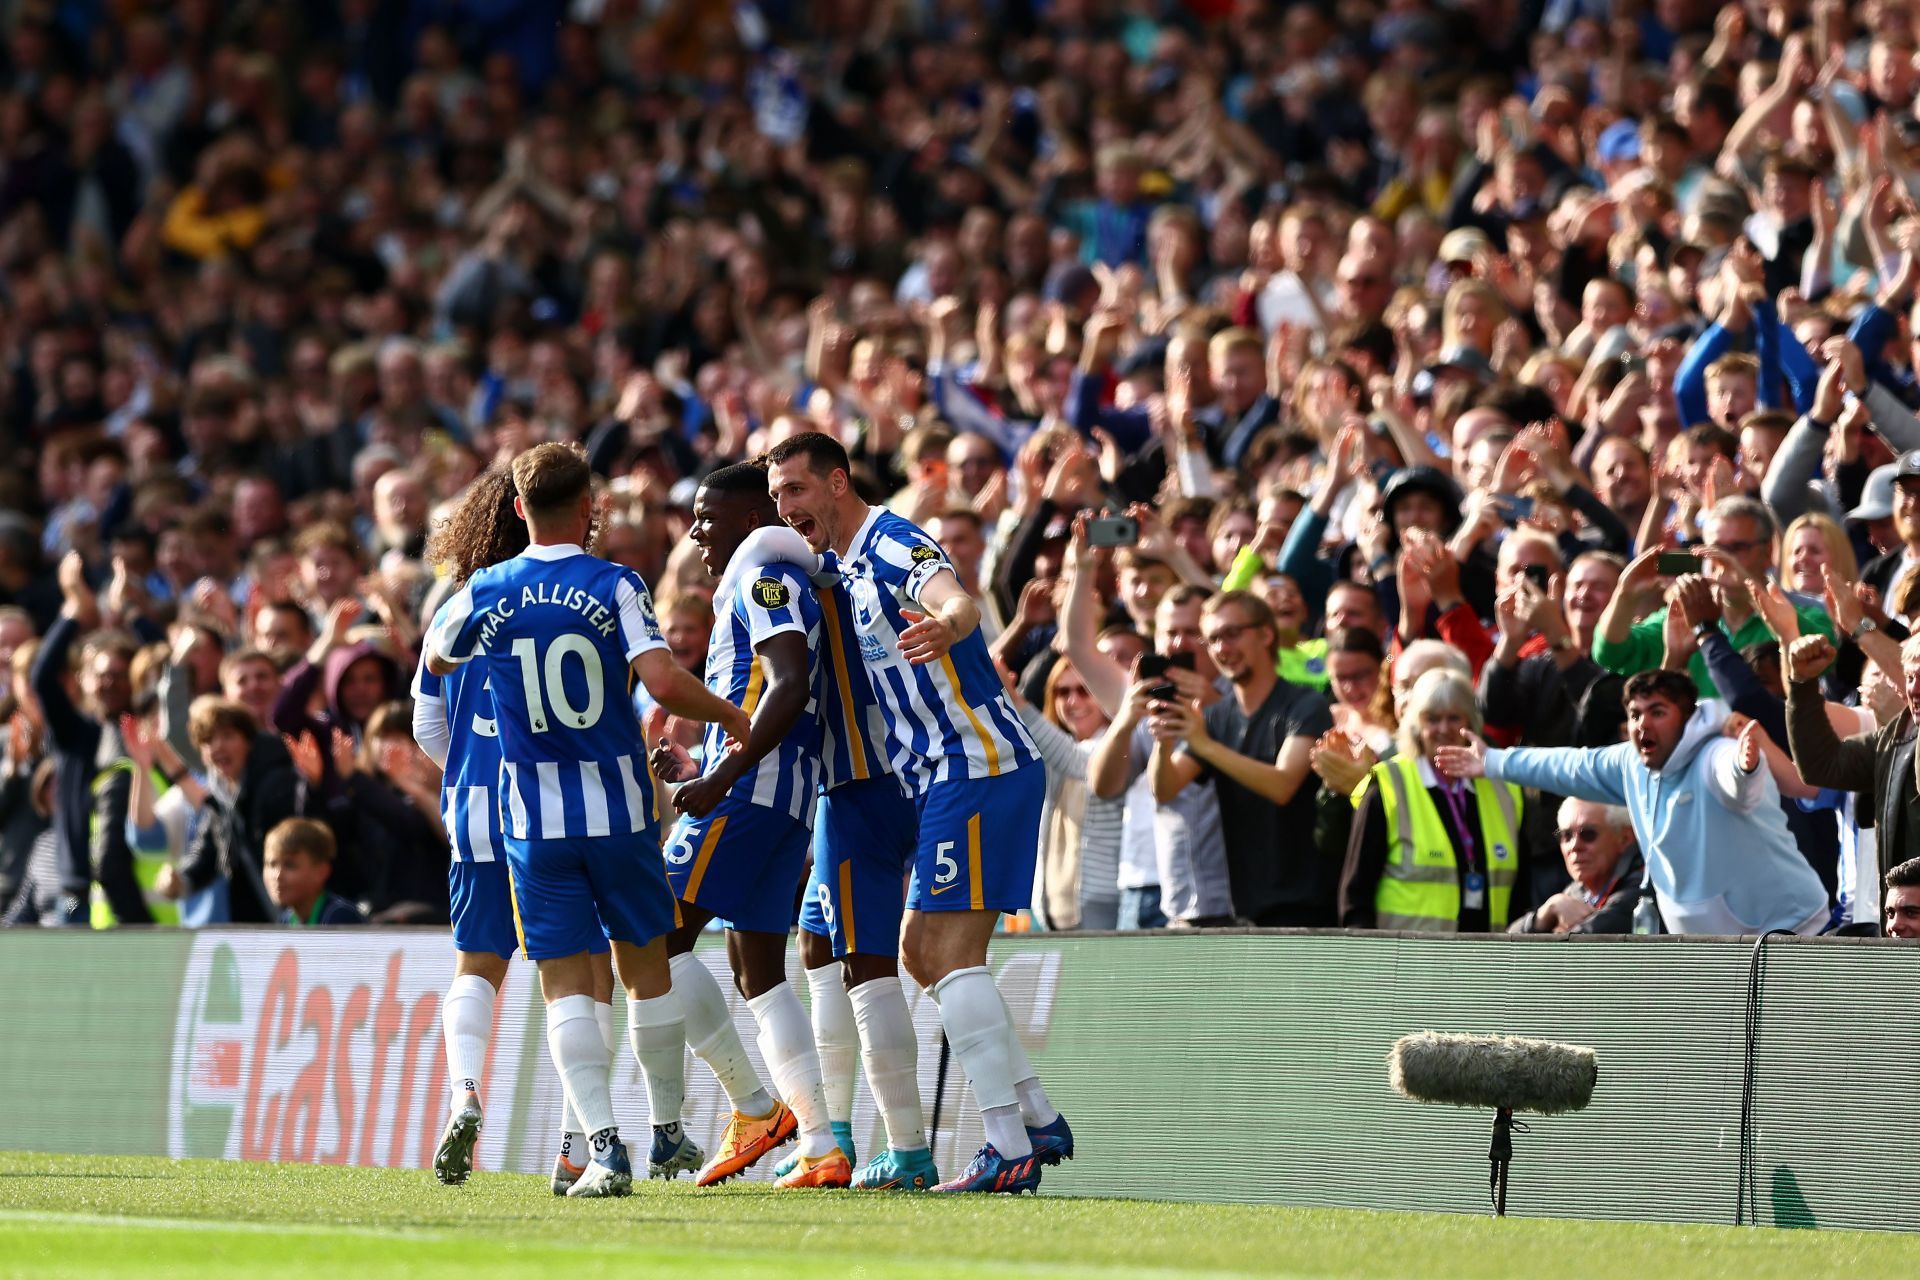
{"x": 555, "y": 689}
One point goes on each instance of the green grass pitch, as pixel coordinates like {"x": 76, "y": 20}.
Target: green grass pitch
{"x": 77, "y": 1216}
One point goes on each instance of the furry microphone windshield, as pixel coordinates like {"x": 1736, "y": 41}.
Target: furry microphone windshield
{"x": 1502, "y": 1072}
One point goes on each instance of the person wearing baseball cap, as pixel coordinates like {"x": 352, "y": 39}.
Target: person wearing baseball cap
{"x": 1895, "y": 574}
{"x": 1463, "y": 246}
{"x": 1876, "y": 504}
{"x": 1617, "y": 150}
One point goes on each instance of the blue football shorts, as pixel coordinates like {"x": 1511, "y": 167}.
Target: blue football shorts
{"x": 979, "y": 843}
{"x": 863, "y": 840}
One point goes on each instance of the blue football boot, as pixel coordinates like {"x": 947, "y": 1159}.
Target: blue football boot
{"x": 898, "y": 1171}
{"x": 990, "y": 1171}
{"x": 1052, "y": 1143}
{"x": 669, "y": 1157}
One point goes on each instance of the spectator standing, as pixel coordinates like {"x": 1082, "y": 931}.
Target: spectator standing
{"x": 1173, "y": 866}
{"x": 1078, "y": 886}
{"x": 1426, "y": 852}
{"x": 90, "y": 794}
{"x": 1738, "y": 549}
{"x": 355, "y": 676}
{"x": 21, "y": 821}
{"x": 251, "y": 788}
{"x": 1878, "y": 765}
{"x": 1706, "y": 814}
{"x": 1896, "y": 573}
{"x": 388, "y": 812}
{"x": 1256, "y": 746}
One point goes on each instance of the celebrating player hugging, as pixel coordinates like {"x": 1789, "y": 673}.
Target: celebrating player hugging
{"x": 575, "y": 802}
{"x": 977, "y": 782}
{"x": 853, "y": 711}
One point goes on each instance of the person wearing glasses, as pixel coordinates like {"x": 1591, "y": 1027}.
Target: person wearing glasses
{"x": 1596, "y": 842}
{"x": 1256, "y": 745}
{"x": 1737, "y": 549}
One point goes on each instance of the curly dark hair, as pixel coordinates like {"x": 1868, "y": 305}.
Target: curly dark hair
{"x": 483, "y": 530}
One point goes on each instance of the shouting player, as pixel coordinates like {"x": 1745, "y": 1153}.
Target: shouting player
{"x": 556, "y": 631}
{"x": 482, "y": 531}
{"x": 976, "y": 777}
{"x": 738, "y": 852}
{"x": 863, "y": 841}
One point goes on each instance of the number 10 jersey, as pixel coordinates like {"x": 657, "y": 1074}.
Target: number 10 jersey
{"x": 556, "y": 630}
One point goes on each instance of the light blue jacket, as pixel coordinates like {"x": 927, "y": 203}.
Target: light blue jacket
{"x": 1717, "y": 844}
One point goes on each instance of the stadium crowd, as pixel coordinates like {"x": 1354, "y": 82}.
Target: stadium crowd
{"x": 1308, "y": 392}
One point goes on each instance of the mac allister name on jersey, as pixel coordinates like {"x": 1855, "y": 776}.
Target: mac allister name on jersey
{"x": 598, "y": 615}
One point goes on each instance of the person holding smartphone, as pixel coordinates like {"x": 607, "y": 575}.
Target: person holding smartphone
{"x": 1737, "y": 553}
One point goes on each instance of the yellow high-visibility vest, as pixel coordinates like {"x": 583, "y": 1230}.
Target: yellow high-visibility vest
{"x": 1420, "y": 888}
{"x": 146, "y": 866}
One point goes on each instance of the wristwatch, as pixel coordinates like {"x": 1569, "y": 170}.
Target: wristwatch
{"x": 1702, "y": 630}
{"x": 1866, "y": 625}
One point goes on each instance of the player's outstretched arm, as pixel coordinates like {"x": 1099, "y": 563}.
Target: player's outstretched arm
{"x": 779, "y": 708}
{"x": 680, "y": 691}
{"x": 950, "y": 616}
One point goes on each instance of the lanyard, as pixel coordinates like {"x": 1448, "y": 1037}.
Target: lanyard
{"x": 1601, "y": 901}
{"x": 1457, "y": 806}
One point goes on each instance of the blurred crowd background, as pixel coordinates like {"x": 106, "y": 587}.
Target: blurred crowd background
{"x": 1297, "y": 382}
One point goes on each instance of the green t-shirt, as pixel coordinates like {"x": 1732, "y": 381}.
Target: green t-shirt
{"x": 1305, "y": 664}
{"x": 1645, "y": 645}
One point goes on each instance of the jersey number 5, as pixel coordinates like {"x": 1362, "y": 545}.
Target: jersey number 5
{"x": 555, "y": 689}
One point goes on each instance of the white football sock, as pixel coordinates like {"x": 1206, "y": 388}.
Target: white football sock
{"x": 658, "y": 1035}
{"x": 891, "y": 1053}
{"x": 836, "y": 1037}
{"x": 466, "y": 1017}
{"x": 1035, "y": 1107}
{"x": 580, "y": 1056}
{"x": 786, "y": 1043}
{"x": 603, "y": 1014}
{"x": 980, "y": 1034}
{"x": 713, "y": 1037}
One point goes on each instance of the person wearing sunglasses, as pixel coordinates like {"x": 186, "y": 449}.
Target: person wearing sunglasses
{"x": 1596, "y": 842}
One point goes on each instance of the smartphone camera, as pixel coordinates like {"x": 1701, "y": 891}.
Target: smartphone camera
{"x": 1155, "y": 665}
{"x": 1512, "y": 509}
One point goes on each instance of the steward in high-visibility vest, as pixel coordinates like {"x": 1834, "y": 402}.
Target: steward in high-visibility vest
{"x": 146, "y": 865}
{"x": 1423, "y": 882}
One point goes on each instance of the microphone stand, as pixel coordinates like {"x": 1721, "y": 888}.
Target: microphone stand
{"x": 1500, "y": 1156}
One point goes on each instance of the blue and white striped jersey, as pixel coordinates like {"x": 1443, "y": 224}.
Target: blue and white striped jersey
{"x": 555, "y": 629}
{"x": 765, "y": 600}
{"x": 945, "y": 720}
{"x": 467, "y": 804}
{"x": 853, "y": 733}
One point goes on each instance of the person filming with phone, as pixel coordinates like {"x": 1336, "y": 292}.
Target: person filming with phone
{"x": 1257, "y": 746}
{"x": 1736, "y": 554}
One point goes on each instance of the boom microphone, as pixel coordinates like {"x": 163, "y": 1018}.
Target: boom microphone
{"x": 1493, "y": 1071}
{"x": 1506, "y": 1073}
